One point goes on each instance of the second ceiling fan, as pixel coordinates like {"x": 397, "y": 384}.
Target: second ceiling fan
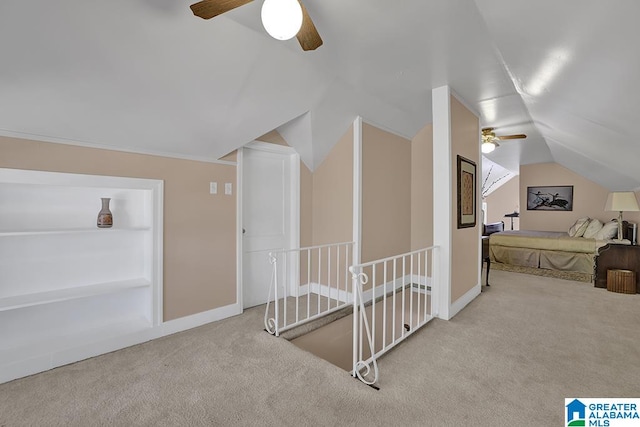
{"x": 291, "y": 14}
{"x": 490, "y": 140}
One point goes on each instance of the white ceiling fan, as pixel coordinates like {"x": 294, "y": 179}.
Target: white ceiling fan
{"x": 282, "y": 19}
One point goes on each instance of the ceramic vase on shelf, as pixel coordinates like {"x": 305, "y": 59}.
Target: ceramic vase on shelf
{"x": 105, "y": 218}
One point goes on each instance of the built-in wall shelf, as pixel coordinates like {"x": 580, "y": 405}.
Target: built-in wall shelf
{"x": 9, "y": 233}
{"x": 58, "y": 349}
{"x": 68, "y": 289}
{"x": 64, "y": 294}
{"x": 55, "y": 344}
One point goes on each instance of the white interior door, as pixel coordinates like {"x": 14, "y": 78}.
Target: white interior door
{"x": 270, "y": 214}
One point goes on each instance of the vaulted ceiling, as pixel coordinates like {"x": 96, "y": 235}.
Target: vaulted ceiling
{"x": 148, "y": 76}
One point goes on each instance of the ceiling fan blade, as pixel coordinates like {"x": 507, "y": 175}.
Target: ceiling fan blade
{"x": 207, "y": 9}
{"x": 519, "y": 136}
{"x": 308, "y": 35}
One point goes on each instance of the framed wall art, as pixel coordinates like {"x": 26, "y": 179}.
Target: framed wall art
{"x": 466, "y": 193}
{"x": 554, "y": 198}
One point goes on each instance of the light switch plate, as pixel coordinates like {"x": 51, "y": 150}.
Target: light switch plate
{"x": 213, "y": 187}
{"x": 228, "y": 188}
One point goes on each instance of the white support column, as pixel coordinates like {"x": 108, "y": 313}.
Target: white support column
{"x": 357, "y": 232}
{"x": 442, "y": 194}
{"x": 239, "y": 228}
{"x": 357, "y": 189}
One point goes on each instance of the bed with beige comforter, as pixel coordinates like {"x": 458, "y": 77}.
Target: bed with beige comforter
{"x": 544, "y": 249}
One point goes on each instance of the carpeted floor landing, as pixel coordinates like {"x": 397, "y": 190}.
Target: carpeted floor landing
{"x": 510, "y": 358}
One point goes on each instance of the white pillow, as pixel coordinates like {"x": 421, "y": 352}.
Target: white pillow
{"x": 577, "y": 229}
{"x": 608, "y": 231}
{"x": 594, "y": 226}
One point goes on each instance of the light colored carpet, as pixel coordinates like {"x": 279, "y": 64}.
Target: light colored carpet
{"x": 510, "y": 358}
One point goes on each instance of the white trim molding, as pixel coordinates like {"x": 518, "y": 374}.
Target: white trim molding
{"x": 357, "y": 189}
{"x": 239, "y": 228}
{"x": 443, "y": 210}
{"x": 424, "y": 283}
{"x": 326, "y": 291}
{"x": 463, "y": 301}
{"x": 198, "y": 319}
{"x": 270, "y": 147}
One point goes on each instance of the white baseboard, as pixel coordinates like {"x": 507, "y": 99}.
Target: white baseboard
{"x": 464, "y": 300}
{"x": 424, "y": 282}
{"x": 345, "y": 296}
{"x": 388, "y": 287}
{"x": 326, "y": 291}
{"x": 198, "y": 319}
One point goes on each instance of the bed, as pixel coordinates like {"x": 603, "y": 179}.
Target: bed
{"x": 544, "y": 249}
{"x": 527, "y": 250}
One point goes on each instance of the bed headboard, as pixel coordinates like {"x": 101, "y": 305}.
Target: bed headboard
{"x": 494, "y": 227}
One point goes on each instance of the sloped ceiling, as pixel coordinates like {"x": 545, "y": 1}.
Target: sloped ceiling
{"x": 148, "y": 76}
{"x": 575, "y": 66}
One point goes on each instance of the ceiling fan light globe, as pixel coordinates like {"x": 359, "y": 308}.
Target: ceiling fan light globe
{"x": 488, "y": 147}
{"x": 282, "y": 19}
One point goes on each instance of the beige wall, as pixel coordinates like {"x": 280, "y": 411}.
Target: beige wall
{"x": 422, "y": 189}
{"x": 504, "y": 200}
{"x": 273, "y": 137}
{"x": 386, "y": 194}
{"x": 199, "y": 228}
{"x": 332, "y": 194}
{"x": 588, "y": 198}
{"x": 465, "y": 131}
{"x": 306, "y": 206}
{"x": 326, "y": 195}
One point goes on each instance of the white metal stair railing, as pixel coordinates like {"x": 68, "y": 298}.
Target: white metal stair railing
{"x": 394, "y": 297}
{"x": 306, "y": 284}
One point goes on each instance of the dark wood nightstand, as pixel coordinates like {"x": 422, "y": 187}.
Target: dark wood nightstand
{"x": 485, "y": 256}
{"x": 616, "y": 256}
{"x": 487, "y": 230}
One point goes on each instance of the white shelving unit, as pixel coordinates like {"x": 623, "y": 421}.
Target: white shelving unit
{"x": 69, "y": 290}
